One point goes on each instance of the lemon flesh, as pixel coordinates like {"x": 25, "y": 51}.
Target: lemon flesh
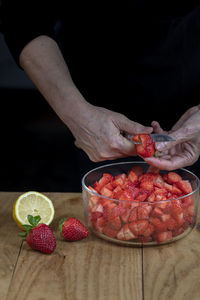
{"x": 33, "y": 203}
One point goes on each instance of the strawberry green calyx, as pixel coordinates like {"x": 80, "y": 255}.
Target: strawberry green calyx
{"x": 33, "y": 223}
{"x": 61, "y": 225}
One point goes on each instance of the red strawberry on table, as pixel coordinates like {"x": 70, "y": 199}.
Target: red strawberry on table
{"x": 39, "y": 236}
{"x": 146, "y": 146}
{"x": 72, "y": 229}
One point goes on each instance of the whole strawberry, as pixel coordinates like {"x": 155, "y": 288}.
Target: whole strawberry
{"x": 72, "y": 229}
{"x": 39, "y": 236}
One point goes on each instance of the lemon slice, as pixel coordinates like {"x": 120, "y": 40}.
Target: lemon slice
{"x": 33, "y": 203}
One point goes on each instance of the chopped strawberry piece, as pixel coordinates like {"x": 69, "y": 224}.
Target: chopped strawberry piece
{"x": 132, "y": 176}
{"x": 171, "y": 224}
{"x": 112, "y": 233}
{"x": 165, "y": 217}
{"x": 142, "y": 196}
{"x": 125, "y": 216}
{"x": 187, "y": 201}
{"x": 129, "y": 235}
{"x": 105, "y": 179}
{"x": 119, "y": 180}
{"x": 147, "y": 186}
{"x": 177, "y": 232}
{"x": 138, "y": 227}
{"x": 146, "y": 148}
{"x": 157, "y": 212}
{"x": 173, "y": 177}
{"x": 137, "y": 170}
{"x": 158, "y": 224}
{"x": 106, "y": 192}
{"x": 184, "y": 186}
{"x": 126, "y": 195}
{"x": 95, "y": 215}
{"x": 164, "y": 236}
{"x": 99, "y": 224}
{"x": 117, "y": 192}
{"x": 149, "y": 231}
{"x": 151, "y": 197}
{"x": 133, "y": 215}
{"x": 142, "y": 213}
{"x": 115, "y": 223}
{"x": 120, "y": 235}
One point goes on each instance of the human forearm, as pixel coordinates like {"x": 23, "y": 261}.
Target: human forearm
{"x": 43, "y": 62}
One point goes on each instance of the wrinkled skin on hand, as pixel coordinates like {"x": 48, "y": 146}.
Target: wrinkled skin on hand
{"x": 185, "y": 150}
{"x": 99, "y": 133}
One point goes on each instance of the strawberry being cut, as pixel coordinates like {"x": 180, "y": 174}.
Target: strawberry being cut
{"x": 146, "y": 148}
{"x": 39, "y": 236}
{"x": 72, "y": 229}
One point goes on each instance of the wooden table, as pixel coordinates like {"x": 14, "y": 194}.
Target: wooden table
{"x": 93, "y": 269}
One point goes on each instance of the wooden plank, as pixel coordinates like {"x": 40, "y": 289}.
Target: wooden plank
{"x": 173, "y": 271}
{"x": 88, "y": 269}
{"x": 9, "y": 242}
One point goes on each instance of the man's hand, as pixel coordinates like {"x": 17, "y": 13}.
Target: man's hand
{"x": 99, "y": 133}
{"x": 185, "y": 150}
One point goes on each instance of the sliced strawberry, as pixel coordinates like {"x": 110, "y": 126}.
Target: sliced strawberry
{"x": 151, "y": 197}
{"x": 165, "y": 217}
{"x": 138, "y": 227}
{"x": 164, "y": 236}
{"x": 125, "y": 216}
{"x": 105, "y": 179}
{"x": 187, "y": 201}
{"x": 129, "y": 235}
{"x": 115, "y": 223}
{"x": 158, "y": 224}
{"x": 149, "y": 231}
{"x": 99, "y": 224}
{"x": 142, "y": 213}
{"x": 184, "y": 186}
{"x": 132, "y": 176}
{"x": 178, "y": 231}
{"x": 133, "y": 215}
{"x": 142, "y": 196}
{"x": 173, "y": 177}
{"x": 171, "y": 224}
{"x": 147, "y": 186}
{"x": 119, "y": 180}
{"x": 120, "y": 235}
{"x": 95, "y": 215}
{"x": 106, "y": 192}
{"x": 107, "y": 230}
{"x": 157, "y": 212}
{"x": 146, "y": 148}
{"x": 117, "y": 192}
{"x": 137, "y": 169}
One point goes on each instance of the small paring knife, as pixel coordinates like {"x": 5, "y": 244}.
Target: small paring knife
{"x": 156, "y": 137}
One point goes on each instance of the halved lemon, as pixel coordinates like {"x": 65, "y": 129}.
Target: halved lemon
{"x": 33, "y": 203}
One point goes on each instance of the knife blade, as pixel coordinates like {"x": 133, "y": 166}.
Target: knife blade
{"x": 157, "y": 137}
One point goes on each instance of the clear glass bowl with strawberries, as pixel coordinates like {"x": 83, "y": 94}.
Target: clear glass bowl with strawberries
{"x": 133, "y": 204}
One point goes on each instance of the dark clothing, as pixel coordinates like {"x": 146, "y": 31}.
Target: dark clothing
{"x": 140, "y": 58}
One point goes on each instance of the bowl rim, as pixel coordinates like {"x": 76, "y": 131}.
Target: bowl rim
{"x": 137, "y": 162}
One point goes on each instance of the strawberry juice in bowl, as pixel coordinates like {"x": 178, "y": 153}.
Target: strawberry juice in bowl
{"x": 128, "y": 204}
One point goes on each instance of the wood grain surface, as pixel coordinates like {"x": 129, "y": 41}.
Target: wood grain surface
{"x": 93, "y": 269}
{"x": 84, "y": 270}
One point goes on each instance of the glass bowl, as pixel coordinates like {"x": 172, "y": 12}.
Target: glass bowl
{"x": 124, "y": 206}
